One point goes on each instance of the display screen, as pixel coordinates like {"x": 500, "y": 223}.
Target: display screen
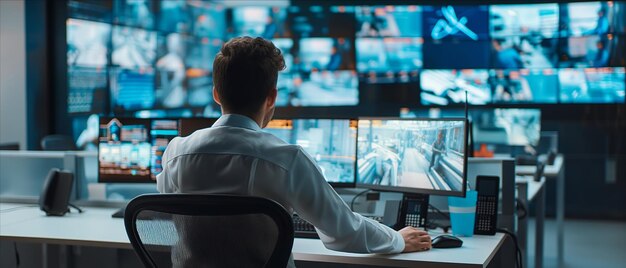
{"x": 389, "y": 59}
{"x": 524, "y": 21}
{"x": 413, "y": 155}
{"x": 262, "y": 21}
{"x": 319, "y": 72}
{"x": 184, "y": 70}
{"x": 445, "y": 23}
{"x": 331, "y": 142}
{"x": 138, "y": 13}
{"x": 320, "y": 21}
{"x": 133, "y": 47}
{"x": 132, "y": 89}
{"x": 197, "y": 18}
{"x": 592, "y": 18}
{"x": 124, "y": 151}
{"x": 87, "y": 43}
{"x": 443, "y": 87}
{"x": 603, "y": 85}
{"x": 131, "y": 150}
{"x": 389, "y": 21}
{"x": 456, "y": 54}
{"x": 592, "y": 51}
{"x": 87, "y": 89}
{"x": 524, "y": 86}
{"x": 518, "y": 127}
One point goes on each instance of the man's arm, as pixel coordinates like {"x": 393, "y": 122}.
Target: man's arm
{"x": 339, "y": 228}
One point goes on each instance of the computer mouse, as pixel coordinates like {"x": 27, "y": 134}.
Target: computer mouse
{"x": 447, "y": 241}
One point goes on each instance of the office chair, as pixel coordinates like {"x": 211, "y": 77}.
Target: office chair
{"x": 209, "y": 230}
{"x": 58, "y": 143}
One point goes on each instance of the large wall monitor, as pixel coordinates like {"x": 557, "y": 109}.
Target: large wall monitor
{"x": 331, "y": 142}
{"x": 425, "y": 156}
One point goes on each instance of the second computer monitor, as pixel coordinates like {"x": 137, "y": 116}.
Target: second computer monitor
{"x": 426, "y": 156}
{"x": 331, "y": 142}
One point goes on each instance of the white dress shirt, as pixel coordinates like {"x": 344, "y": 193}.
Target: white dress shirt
{"x": 236, "y": 157}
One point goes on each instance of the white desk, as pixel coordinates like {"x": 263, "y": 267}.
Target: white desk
{"x": 96, "y": 228}
{"x": 556, "y": 172}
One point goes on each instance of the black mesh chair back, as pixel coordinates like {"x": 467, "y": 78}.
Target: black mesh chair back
{"x": 188, "y": 230}
{"x": 58, "y": 143}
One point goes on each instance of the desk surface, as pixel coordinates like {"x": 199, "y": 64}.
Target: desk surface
{"x": 549, "y": 171}
{"x": 96, "y": 228}
{"x": 533, "y": 186}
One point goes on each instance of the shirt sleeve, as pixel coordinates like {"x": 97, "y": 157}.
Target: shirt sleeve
{"x": 338, "y": 227}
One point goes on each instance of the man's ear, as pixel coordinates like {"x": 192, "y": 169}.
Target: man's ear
{"x": 216, "y": 97}
{"x": 271, "y": 98}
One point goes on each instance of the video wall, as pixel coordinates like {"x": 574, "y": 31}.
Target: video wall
{"x": 158, "y": 55}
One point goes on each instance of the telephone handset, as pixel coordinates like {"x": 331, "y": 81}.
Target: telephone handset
{"x": 488, "y": 188}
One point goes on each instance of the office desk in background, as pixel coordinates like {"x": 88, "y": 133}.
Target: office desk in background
{"x": 96, "y": 228}
{"x": 528, "y": 191}
{"x": 555, "y": 172}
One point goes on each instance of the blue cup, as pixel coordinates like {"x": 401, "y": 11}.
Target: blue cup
{"x": 463, "y": 213}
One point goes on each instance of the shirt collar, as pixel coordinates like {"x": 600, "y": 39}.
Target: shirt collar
{"x": 237, "y": 120}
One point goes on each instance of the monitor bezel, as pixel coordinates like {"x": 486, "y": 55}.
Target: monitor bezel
{"x": 409, "y": 190}
{"x": 354, "y": 166}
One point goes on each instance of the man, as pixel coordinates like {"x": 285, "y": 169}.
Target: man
{"x": 439, "y": 148}
{"x": 236, "y": 157}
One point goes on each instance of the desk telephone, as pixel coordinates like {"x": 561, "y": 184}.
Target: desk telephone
{"x": 411, "y": 211}
{"x": 488, "y": 188}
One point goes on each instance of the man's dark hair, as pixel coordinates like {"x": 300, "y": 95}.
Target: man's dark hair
{"x": 245, "y": 71}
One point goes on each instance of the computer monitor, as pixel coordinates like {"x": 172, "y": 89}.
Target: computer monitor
{"x": 423, "y": 156}
{"x": 331, "y": 142}
{"x": 513, "y": 127}
{"x": 592, "y": 85}
{"x": 130, "y": 149}
{"x": 444, "y": 87}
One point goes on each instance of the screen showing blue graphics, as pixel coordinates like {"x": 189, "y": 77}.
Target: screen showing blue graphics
{"x": 443, "y": 23}
{"x": 87, "y": 43}
{"x": 412, "y": 155}
{"x": 331, "y": 142}
{"x": 132, "y": 89}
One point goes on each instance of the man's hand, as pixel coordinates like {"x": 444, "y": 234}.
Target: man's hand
{"x": 415, "y": 239}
